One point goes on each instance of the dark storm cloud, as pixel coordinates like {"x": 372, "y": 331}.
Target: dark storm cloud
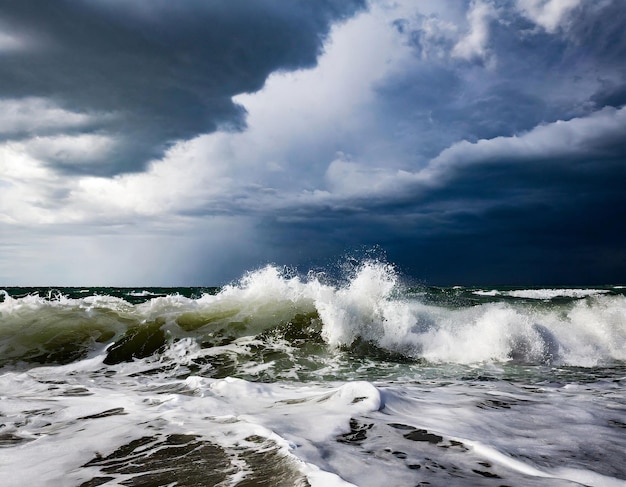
{"x": 475, "y": 142}
{"x": 525, "y": 215}
{"x": 531, "y": 76}
{"x": 484, "y": 230}
{"x": 153, "y": 72}
{"x": 538, "y": 200}
{"x": 545, "y": 208}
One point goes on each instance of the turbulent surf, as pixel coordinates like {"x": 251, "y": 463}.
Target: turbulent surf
{"x": 287, "y": 379}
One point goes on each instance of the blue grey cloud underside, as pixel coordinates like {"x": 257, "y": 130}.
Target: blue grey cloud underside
{"x": 513, "y": 216}
{"x": 163, "y": 71}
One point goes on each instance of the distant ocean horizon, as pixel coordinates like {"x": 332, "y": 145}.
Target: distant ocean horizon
{"x": 284, "y": 378}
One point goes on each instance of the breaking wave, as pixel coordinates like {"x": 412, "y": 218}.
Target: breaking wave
{"x": 371, "y": 312}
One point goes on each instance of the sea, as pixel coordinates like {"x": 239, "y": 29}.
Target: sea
{"x": 285, "y": 378}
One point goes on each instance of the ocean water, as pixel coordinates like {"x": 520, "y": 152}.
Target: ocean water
{"x": 298, "y": 380}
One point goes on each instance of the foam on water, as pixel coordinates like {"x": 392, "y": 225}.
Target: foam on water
{"x": 372, "y": 306}
{"x": 91, "y": 415}
{"x": 585, "y": 334}
{"x": 485, "y": 391}
{"x": 544, "y": 294}
{"x": 338, "y": 434}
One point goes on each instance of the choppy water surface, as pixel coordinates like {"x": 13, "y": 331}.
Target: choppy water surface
{"x": 283, "y": 379}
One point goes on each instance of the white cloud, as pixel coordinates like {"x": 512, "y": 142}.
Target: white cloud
{"x": 32, "y": 191}
{"x": 71, "y": 150}
{"x": 578, "y": 137}
{"x": 549, "y": 14}
{"x": 35, "y": 114}
{"x": 347, "y": 178}
{"x": 164, "y": 188}
{"x": 28, "y": 187}
{"x": 296, "y": 123}
{"x": 328, "y": 106}
{"x": 325, "y": 138}
{"x": 436, "y": 37}
{"x": 474, "y": 44}
{"x": 350, "y": 182}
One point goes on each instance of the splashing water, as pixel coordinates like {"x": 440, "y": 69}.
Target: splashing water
{"x": 299, "y": 380}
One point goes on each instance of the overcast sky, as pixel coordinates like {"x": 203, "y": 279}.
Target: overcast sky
{"x": 155, "y": 142}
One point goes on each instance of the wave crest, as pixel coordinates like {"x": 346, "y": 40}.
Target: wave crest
{"x": 369, "y": 311}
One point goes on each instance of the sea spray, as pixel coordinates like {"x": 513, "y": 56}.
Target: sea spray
{"x": 285, "y": 379}
{"x": 371, "y": 307}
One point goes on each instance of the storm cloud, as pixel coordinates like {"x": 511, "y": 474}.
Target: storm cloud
{"x": 145, "y": 74}
{"x": 472, "y": 142}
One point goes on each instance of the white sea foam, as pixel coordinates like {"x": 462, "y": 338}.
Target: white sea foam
{"x": 543, "y": 294}
{"x": 430, "y": 426}
{"x": 303, "y": 421}
{"x": 225, "y": 412}
{"x": 139, "y": 294}
{"x": 373, "y": 307}
{"x": 493, "y": 292}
